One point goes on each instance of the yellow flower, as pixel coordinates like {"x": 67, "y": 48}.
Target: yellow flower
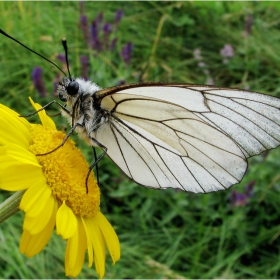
{"x": 55, "y": 192}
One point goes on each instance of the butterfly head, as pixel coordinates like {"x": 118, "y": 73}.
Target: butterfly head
{"x": 67, "y": 89}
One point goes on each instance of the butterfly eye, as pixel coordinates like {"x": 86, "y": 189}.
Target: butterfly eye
{"x": 72, "y": 88}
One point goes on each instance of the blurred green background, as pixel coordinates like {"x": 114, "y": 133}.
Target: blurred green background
{"x": 163, "y": 234}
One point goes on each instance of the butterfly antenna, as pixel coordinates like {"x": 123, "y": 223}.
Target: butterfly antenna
{"x": 64, "y": 44}
{"x": 5, "y": 34}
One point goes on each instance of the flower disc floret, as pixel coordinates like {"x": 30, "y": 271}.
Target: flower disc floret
{"x": 65, "y": 170}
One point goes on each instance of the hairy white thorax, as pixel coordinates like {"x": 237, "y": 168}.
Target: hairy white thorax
{"x": 83, "y": 109}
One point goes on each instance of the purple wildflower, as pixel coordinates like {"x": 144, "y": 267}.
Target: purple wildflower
{"x": 241, "y": 199}
{"x": 249, "y": 188}
{"x": 83, "y": 20}
{"x": 238, "y": 199}
{"x": 95, "y": 42}
{"x": 84, "y": 61}
{"x": 210, "y": 81}
{"x": 197, "y": 54}
{"x": 93, "y": 31}
{"x": 113, "y": 44}
{"x": 82, "y": 7}
{"x": 84, "y": 28}
{"x": 121, "y": 82}
{"x": 225, "y": 52}
{"x": 118, "y": 16}
{"x": 61, "y": 58}
{"x": 201, "y": 64}
{"x": 265, "y": 154}
{"x": 127, "y": 52}
{"x": 249, "y": 20}
{"x": 38, "y": 81}
{"x": 107, "y": 29}
{"x": 99, "y": 18}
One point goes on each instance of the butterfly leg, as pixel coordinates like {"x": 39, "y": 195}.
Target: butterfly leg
{"x": 63, "y": 142}
{"x": 96, "y": 166}
{"x": 97, "y": 159}
{"x": 47, "y": 105}
{"x": 59, "y": 113}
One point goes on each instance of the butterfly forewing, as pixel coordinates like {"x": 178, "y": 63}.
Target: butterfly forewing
{"x": 250, "y": 119}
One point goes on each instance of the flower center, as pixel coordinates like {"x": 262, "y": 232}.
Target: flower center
{"x": 65, "y": 171}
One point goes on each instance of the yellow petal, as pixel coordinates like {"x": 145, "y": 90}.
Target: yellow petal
{"x": 13, "y": 115}
{"x": 89, "y": 244}
{"x": 100, "y": 240}
{"x": 35, "y": 199}
{"x": 95, "y": 227}
{"x": 98, "y": 247}
{"x": 19, "y": 169}
{"x": 45, "y": 119}
{"x": 75, "y": 251}
{"x": 31, "y": 245}
{"x": 110, "y": 236}
{"x": 66, "y": 221}
{"x": 19, "y": 154}
{"x": 37, "y": 224}
{"x": 14, "y": 129}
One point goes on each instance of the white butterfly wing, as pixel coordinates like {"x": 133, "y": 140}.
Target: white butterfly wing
{"x": 188, "y": 137}
{"x": 251, "y": 119}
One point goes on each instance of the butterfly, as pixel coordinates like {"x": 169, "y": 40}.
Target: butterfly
{"x": 196, "y": 138}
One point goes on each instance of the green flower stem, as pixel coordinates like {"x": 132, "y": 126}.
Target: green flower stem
{"x": 10, "y": 206}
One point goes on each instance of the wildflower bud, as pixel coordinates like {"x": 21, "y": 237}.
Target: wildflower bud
{"x": 249, "y": 188}
{"x": 127, "y": 52}
{"x": 121, "y": 82}
{"x": 118, "y": 16}
{"x": 238, "y": 199}
{"x": 84, "y": 28}
{"x": 210, "y": 81}
{"x": 248, "y": 25}
{"x": 61, "y": 58}
{"x": 227, "y": 51}
{"x": 95, "y": 42}
{"x": 38, "y": 81}
{"x": 107, "y": 28}
{"x": 99, "y": 18}
{"x": 84, "y": 62}
{"x": 197, "y": 54}
{"x": 82, "y": 7}
{"x": 113, "y": 44}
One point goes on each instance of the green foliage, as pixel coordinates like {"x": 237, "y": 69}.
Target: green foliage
{"x": 163, "y": 234}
